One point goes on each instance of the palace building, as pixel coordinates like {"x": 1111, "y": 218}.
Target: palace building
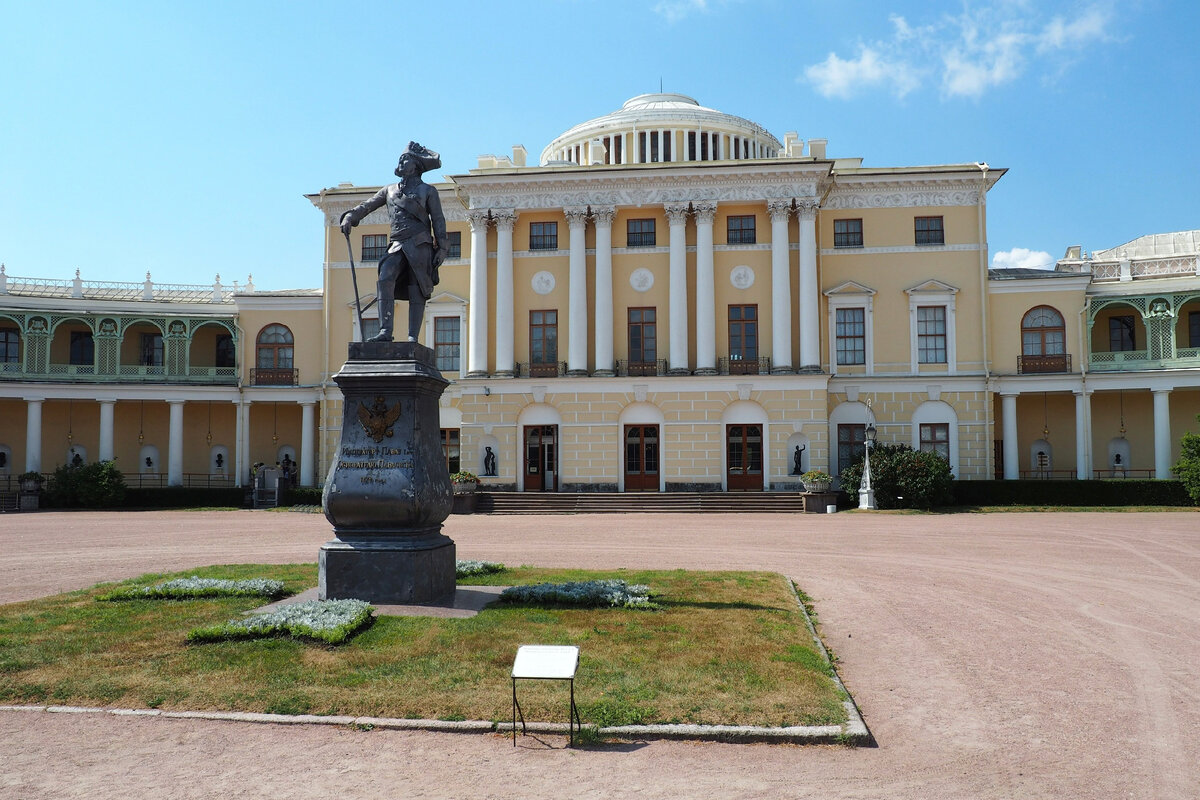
{"x": 671, "y": 299}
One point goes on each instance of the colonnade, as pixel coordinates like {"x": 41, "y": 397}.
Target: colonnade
{"x": 175, "y": 446}
{"x": 702, "y": 214}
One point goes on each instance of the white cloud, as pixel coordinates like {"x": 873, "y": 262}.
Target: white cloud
{"x": 675, "y": 10}
{"x": 1021, "y": 258}
{"x": 986, "y": 46}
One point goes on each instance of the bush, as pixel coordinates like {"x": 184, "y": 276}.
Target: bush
{"x": 1188, "y": 467}
{"x": 98, "y": 485}
{"x": 903, "y": 477}
{"x": 1117, "y": 492}
{"x": 302, "y": 496}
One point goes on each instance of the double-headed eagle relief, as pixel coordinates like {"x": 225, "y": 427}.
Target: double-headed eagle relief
{"x": 377, "y": 420}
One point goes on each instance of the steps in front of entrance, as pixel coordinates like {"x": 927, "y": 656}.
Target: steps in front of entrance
{"x": 639, "y": 502}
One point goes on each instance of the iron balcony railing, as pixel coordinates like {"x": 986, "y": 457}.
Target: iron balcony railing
{"x": 1132, "y": 360}
{"x": 89, "y": 373}
{"x": 275, "y": 376}
{"x": 549, "y": 369}
{"x": 1060, "y": 362}
{"x": 744, "y": 366}
{"x": 638, "y": 369}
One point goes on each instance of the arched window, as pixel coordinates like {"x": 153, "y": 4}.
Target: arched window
{"x": 276, "y": 347}
{"x": 1043, "y": 332}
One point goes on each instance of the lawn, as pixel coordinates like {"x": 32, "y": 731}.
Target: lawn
{"x": 723, "y": 648}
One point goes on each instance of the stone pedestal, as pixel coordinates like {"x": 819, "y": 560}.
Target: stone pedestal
{"x": 388, "y": 492}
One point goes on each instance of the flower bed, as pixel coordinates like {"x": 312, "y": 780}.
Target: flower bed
{"x": 196, "y": 587}
{"x": 467, "y": 569}
{"x": 584, "y": 594}
{"x": 330, "y": 621}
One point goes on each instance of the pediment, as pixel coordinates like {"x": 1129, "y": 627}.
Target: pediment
{"x": 447, "y": 298}
{"x": 849, "y": 288}
{"x": 932, "y": 286}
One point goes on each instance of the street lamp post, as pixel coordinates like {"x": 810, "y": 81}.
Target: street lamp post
{"x": 866, "y": 494}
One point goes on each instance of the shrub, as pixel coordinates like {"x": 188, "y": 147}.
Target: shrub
{"x": 1188, "y": 466}
{"x": 329, "y": 621}
{"x": 1115, "y": 492}
{"x": 97, "y": 485}
{"x": 903, "y": 477}
{"x": 467, "y": 569}
{"x": 610, "y": 593}
{"x": 196, "y": 587}
{"x": 302, "y": 496}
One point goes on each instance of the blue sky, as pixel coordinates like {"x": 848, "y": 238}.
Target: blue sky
{"x": 179, "y": 138}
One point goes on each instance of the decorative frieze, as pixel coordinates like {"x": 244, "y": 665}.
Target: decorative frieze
{"x": 897, "y": 194}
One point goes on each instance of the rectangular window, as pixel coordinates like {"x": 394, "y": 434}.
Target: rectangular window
{"x": 10, "y": 346}
{"x": 83, "y": 351}
{"x": 847, "y": 233}
{"x": 740, "y": 230}
{"x": 225, "y": 356}
{"x": 929, "y": 230}
{"x": 852, "y": 443}
{"x": 447, "y": 333}
{"x": 1194, "y": 329}
{"x": 454, "y": 244}
{"x": 543, "y": 236}
{"x": 543, "y": 337}
{"x": 451, "y": 450}
{"x": 640, "y": 233}
{"x": 374, "y": 246}
{"x": 743, "y": 333}
{"x": 850, "y": 327}
{"x": 643, "y": 337}
{"x": 152, "y": 350}
{"x": 935, "y": 438}
{"x": 931, "y": 334}
{"x": 1121, "y": 334}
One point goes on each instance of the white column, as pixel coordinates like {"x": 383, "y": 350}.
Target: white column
{"x": 577, "y": 323}
{"x": 477, "y": 339}
{"x": 1083, "y": 428}
{"x": 706, "y": 303}
{"x": 603, "y": 218}
{"x": 781, "y": 287}
{"x": 175, "y": 444}
{"x": 810, "y": 322}
{"x": 1162, "y": 433}
{"x": 307, "y": 455}
{"x": 33, "y": 433}
{"x": 504, "y": 220}
{"x": 106, "y": 429}
{"x": 677, "y": 218}
{"x": 1008, "y": 416}
{"x": 239, "y": 449}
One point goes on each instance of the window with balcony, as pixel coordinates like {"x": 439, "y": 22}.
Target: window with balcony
{"x": 643, "y": 341}
{"x": 1121, "y": 336}
{"x": 852, "y": 443}
{"x": 225, "y": 356}
{"x": 847, "y": 233}
{"x": 454, "y": 244}
{"x": 743, "y": 340}
{"x": 931, "y": 334}
{"x": 275, "y": 357}
{"x": 83, "y": 350}
{"x": 929, "y": 230}
{"x": 640, "y": 233}
{"x": 741, "y": 230}
{"x": 543, "y": 343}
{"x": 543, "y": 236}
{"x": 374, "y": 246}
{"x": 851, "y": 331}
{"x": 935, "y": 438}
{"x": 10, "y": 346}
{"x": 447, "y": 334}
{"x": 1043, "y": 341}
{"x": 151, "y": 352}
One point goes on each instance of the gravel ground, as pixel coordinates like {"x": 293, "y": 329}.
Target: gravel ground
{"x": 993, "y": 656}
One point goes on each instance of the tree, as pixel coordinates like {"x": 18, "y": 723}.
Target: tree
{"x": 903, "y": 477}
{"x": 1188, "y": 466}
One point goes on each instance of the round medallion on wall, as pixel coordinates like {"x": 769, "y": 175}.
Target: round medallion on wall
{"x": 741, "y": 277}
{"x": 543, "y": 282}
{"x": 641, "y": 280}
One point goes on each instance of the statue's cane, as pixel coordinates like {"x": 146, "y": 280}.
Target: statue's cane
{"x": 354, "y": 278}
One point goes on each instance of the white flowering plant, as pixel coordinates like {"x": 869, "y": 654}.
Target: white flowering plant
{"x": 196, "y": 587}
{"x": 611, "y": 593}
{"x": 329, "y": 621}
{"x": 468, "y": 569}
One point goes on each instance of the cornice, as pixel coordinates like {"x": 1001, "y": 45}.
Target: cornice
{"x": 901, "y": 193}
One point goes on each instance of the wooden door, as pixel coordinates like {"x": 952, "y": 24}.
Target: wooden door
{"x": 641, "y": 458}
{"x": 541, "y": 458}
{"x": 743, "y": 457}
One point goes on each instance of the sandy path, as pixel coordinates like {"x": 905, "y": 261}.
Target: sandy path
{"x": 993, "y": 656}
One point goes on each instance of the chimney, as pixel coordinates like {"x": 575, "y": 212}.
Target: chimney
{"x": 487, "y": 162}
{"x": 816, "y": 148}
{"x": 520, "y": 155}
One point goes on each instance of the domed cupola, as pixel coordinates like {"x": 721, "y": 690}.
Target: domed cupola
{"x": 653, "y": 128}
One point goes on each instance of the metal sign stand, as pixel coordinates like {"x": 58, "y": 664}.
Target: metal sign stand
{"x": 543, "y": 662}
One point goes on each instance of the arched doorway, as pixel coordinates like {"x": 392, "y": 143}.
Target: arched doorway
{"x": 641, "y": 427}
{"x": 745, "y": 446}
{"x": 539, "y": 425}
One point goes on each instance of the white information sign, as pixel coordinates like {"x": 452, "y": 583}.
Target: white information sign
{"x": 546, "y": 662}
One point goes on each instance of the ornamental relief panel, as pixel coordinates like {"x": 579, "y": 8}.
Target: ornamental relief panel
{"x": 887, "y": 198}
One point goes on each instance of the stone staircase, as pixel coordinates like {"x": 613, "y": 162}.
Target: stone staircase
{"x": 641, "y": 502}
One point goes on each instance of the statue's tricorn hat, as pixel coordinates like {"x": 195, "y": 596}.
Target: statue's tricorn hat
{"x": 426, "y": 159}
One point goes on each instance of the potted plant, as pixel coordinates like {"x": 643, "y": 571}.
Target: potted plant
{"x": 31, "y": 481}
{"x": 464, "y": 482}
{"x": 816, "y": 481}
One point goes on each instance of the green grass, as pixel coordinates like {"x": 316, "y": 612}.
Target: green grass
{"x": 725, "y": 648}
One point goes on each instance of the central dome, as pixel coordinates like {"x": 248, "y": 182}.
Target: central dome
{"x": 661, "y": 127}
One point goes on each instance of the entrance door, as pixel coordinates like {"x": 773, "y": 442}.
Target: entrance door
{"x": 541, "y": 458}
{"x": 743, "y": 450}
{"x": 641, "y": 458}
